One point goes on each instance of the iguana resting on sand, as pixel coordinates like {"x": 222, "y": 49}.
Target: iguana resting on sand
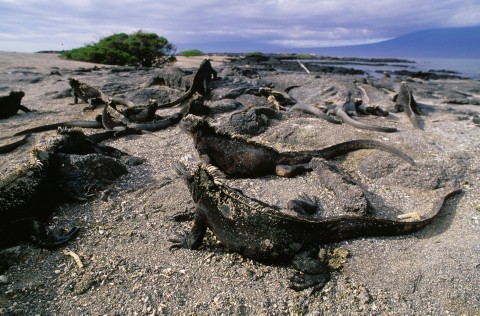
{"x": 404, "y": 102}
{"x": 239, "y": 158}
{"x": 11, "y": 103}
{"x": 271, "y": 234}
{"x": 204, "y": 75}
{"x": 28, "y": 195}
{"x": 349, "y": 108}
{"x": 114, "y": 120}
{"x": 85, "y": 92}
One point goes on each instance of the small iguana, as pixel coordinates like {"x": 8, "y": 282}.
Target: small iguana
{"x": 10, "y": 104}
{"x": 204, "y": 75}
{"x": 85, "y": 92}
{"x": 28, "y": 195}
{"x": 404, "y": 102}
{"x": 271, "y": 234}
{"x": 349, "y": 108}
{"x": 239, "y": 158}
{"x": 114, "y": 120}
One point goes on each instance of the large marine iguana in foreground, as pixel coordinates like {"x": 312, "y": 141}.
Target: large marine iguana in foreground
{"x": 28, "y": 195}
{"x": 239, "y": 158}
{"x": 271, "y": 234}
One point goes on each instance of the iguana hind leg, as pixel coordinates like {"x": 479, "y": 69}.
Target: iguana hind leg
{"x": 312, "y": 272}
{"x": 37, "y": 232}
{"x": 191, "y": 240}
{"x": 305, "y": 204}
{"x": 290, "y": 171}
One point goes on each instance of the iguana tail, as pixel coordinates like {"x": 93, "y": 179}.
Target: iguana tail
{"x": 341, "y": 149}
{"x": 348, "y": 120}
{"x": 349, "y": 227}
{"x": 54, "y": 126}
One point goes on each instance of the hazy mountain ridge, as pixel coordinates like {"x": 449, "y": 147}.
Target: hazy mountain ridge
{"x": 436, "y": 43}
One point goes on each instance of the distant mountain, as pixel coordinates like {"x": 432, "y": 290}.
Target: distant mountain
{"x": 437, "y": 43}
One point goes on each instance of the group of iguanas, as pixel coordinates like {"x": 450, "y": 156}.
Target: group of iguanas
{"x": 243, "y": 224}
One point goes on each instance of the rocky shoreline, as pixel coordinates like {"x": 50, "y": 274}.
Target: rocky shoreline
{"x": 123, "y": 242}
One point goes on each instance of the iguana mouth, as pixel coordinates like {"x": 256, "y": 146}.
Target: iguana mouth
{"x": 191, "y": 122}
{"x": 186, "y": 166}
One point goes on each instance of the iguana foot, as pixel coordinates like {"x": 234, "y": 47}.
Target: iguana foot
{"x": 51, "y": 241}
{"x": 181, "y": 240}
{"x": 290, "y": 171}
{"x": 305, "y": 204}
{"x": 301, "y": 281}
{"x": 312, "y": 272}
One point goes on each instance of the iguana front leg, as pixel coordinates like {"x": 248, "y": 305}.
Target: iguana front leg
{"x": 193, "y": 239}
{"x": 38, "y": 233}
{"x": 291, "y": 171}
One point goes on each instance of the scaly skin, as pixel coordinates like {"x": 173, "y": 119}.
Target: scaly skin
{"x": 268, "y": 233}
{"x": 239, "y": 158}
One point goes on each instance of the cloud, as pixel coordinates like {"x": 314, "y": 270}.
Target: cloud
{"x": 41, "y": 24}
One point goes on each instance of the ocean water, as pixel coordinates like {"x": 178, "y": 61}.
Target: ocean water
{"x": 466, "y": 67}
{"x": 469, "y": 68}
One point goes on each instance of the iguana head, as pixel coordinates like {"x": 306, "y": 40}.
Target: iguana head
{"x": 17, "y": 94}
{"x": 192, "y": 123}
{"x": 73, "y": 82}
{"x": 197, "y": 175}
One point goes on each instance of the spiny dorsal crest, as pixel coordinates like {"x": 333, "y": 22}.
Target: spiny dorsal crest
{"x": 217, "y": 175}
{"x": 36, "y": 161}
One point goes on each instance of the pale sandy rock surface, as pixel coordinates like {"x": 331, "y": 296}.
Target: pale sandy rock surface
{"x": 123, "y": 243}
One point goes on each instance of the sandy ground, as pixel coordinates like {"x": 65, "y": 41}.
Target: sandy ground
{"x": 128, "y": 269}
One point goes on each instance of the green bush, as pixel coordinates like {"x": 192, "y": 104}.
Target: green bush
{"x": 191, "y": 52}
{"x": 254, "y": 54}
{"x": 137, "y": 49}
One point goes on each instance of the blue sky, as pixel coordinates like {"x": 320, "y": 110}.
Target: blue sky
{"x": 225, "y": 25}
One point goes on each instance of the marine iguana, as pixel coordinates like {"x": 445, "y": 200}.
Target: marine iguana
{"x": 204, "y": 75}
{"x": 85, "y": 92}
{"x": 349, "y": 108}
{"x": 11, "y": 103}
{"x": 28, "y": 195}
{"x": 135, "y": 113}
{"x": 271, "y": 234}
{"x": 404, "y": 102}
{"x": 239, "y": 158}
{"x": 310, "y": 109}
{"x": 277, "y": 99}
{"x": 112, "y": 120}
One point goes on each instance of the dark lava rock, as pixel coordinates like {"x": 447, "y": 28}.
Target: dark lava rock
{"x": 253, "y": 121}
{"x": 86, "y": 174}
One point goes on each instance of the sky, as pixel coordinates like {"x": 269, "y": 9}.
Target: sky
{"x": 225, "y": 25}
